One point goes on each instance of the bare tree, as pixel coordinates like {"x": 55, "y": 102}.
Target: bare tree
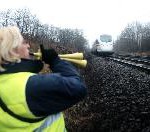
{"x": 37, "y": 33}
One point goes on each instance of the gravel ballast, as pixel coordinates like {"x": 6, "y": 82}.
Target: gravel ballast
{"x": 118, "y": 99}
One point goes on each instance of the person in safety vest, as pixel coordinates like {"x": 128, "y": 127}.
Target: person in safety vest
{"x": 29, "y": 101}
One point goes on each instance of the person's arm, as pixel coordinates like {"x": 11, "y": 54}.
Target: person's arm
{"x": 55, "y": 92}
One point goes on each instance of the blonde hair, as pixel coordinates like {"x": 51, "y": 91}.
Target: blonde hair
{"x": 10, "y": 39}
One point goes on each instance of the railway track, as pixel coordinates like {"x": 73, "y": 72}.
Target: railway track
{"x": 136, "y": 62}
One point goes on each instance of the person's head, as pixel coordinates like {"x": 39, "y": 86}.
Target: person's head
{"x": 12, "y": 45}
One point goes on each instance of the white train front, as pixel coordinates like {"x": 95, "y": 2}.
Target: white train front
{"x": 103, "y": 46}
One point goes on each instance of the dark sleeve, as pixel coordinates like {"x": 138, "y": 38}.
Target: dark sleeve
{"x": 54, "y": 92}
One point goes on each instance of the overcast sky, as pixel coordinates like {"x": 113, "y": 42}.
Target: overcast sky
{"x": 94, "y": 17}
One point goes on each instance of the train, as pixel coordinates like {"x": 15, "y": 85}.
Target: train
{"x": 103, "y": 46}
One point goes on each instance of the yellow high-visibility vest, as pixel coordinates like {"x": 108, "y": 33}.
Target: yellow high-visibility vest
{"x": 12, "y": 93}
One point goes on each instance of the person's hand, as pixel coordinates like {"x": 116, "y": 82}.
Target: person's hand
{"x": 48, "y": 55}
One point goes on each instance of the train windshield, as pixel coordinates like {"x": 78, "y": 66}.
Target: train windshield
{"x": 105, "y": 38}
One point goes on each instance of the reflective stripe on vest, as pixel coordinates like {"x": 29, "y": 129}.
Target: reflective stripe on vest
{"x": 12, "y": 92}
{"x": 45, "y": 127}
